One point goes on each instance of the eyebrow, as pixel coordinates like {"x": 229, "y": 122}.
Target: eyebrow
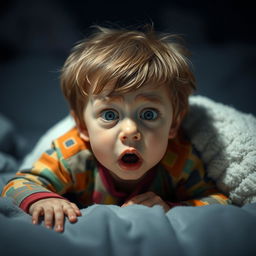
{"x": 149, "y": 97}
{"x": 107, "y": 99}
{"x": 140, "y": 97}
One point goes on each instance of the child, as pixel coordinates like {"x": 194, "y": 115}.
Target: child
{"x": 128, "y": 93}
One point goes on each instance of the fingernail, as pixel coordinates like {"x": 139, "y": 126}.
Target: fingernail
{"x": 48, "y": 226}
{"x": 33, "y": 221}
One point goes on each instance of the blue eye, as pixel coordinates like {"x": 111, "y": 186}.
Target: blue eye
{"x": 149, "y": 114}
{"x": 109, "y": 115}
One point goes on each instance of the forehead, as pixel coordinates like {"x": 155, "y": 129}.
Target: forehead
{"x": 153, "y": 94}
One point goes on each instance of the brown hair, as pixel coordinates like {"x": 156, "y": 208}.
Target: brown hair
{"x": 126, "y": 59}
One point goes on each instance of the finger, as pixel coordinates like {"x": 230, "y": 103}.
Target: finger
{"x": 140, "y": 198}
{"x": 156, "y": 200}
{"x": 70, "y": 212}
{"x": 36, "y": 212}
{"x": 77, "y": 210}
{"x": 48, "y": 217}
{"x": 59, "y": 219}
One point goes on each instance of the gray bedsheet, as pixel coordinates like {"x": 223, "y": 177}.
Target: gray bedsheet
{"x": 134, "y": 230}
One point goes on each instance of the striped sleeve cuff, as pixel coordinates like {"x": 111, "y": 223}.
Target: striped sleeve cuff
{"x": 25, "y": 204}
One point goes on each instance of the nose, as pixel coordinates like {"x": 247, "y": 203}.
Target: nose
{"x": 129, "y": 131}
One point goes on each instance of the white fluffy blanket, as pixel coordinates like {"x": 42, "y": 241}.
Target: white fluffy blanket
{"x": 225, "y": 137}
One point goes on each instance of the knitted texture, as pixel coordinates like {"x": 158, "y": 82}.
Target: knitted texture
{"x": 226, "y": 139}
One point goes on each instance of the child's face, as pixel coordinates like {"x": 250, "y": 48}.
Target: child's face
{"x": 129, "y": 133}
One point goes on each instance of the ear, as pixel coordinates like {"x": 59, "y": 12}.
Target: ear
{"x": 176, "y": 125}
{"x": 83, "y": 133}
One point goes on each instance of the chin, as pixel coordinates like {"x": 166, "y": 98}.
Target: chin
{"x": 132, "y": 176}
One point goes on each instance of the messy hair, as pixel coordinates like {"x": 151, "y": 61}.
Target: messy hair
{"x": 127, "y": 60}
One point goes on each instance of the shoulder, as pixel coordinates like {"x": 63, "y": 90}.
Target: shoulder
{"x": 178, "y": 155}
{"x": 70, "y": 144}
{"x": 179, "y": 146}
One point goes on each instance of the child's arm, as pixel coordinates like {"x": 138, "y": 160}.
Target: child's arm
{"x": 50, "y": 177}
{"x": 47, "y": 178}
{"x": 202, "y": 193}
{"x": 30, "y": 194}
{"x": 208, "y": 195}
{"x": 195, "y": 188}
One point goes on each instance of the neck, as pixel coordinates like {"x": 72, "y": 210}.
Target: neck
{"x": 126, "y": 186}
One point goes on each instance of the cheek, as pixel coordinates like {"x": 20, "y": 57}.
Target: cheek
{"x": 157, "y": 142}
{"x": 102, "y": 142}
{"x": 101, "y": 138}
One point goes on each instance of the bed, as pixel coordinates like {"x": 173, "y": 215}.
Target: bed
{"x": 226, "y": 139}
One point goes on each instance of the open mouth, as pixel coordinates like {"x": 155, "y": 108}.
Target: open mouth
{"x": 130, "y": 158}
{"x": 130, "y": 161}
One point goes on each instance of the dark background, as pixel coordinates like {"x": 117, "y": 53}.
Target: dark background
{"x": 36, "y": 37}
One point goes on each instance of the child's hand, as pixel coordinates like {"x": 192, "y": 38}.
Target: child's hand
{"x": 148, "y": 199}
{"x": 54, "y": 210}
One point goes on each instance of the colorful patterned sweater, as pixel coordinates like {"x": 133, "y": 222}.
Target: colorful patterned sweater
{"x": 69, "y": 170}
